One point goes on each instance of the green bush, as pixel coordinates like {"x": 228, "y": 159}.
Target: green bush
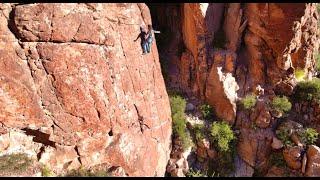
{"x": 15, "y": 163}
{"x": 81, "y": 172}
{"x": 249, "y": 101}
{"x": 46, "y": 172}
{"x": 283, "y": 135}
{"x": 299, "y": 74}
{"x": 222, "y": 134}
{"x": 308, "y": 136}
{"x": 308, "y": 91}
{"x": 178, "y": 105}
{"x": 193, "y": 173}
{"x": 198, "y": 131}
{"x": 206, "y": 111}
{"x": 281, "y": 104}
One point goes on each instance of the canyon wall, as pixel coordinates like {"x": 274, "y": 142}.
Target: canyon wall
{"x": 75, "y": 89}
{"x": 236, "y": 49}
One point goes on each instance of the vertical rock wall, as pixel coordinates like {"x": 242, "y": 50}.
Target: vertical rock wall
{"x": 73, "y": 79}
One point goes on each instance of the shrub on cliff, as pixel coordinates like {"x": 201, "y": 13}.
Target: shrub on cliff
{"x": 222, "y": 135}
{"x": 178, "y": 105}
{"x": 249, "y": 101}
{"x": 46, "y": 172}
{"x": 283, "y": 134}
{"x": 299, "y": 74}
{"x": 206, "y": 111}
{"x": 15, "y": 163}
{"x": 281, "y": 104}
{"x": 308, "y": 91}
{"x": 82, "y": 172}
{"x": 308, "y": 136}
{"x": 194, "y": 173}
{"x": 198, "y": 131}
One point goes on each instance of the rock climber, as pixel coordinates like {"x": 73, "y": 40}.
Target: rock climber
{"x": 150, "y": 38}
{"x": 143, "y": 37}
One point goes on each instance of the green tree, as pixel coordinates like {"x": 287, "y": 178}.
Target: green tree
{"x": 222, "y": 134}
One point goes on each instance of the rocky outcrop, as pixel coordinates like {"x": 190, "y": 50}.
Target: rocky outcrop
{"x": 73, "y": 79}
{"x": 313, "y": 160}
{"x": 292, "y": 156}
{"x": 264, "y": 43}
{"x": 205, "y": 71}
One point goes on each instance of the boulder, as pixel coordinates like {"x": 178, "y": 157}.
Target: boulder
{"x": 190, "y": 107}
{"x": 276, "y": 143}
{"x": 304, "y": 163}
{"x": 275, "y": 171}
{"x": 261, "y": 115}
{"x": 313, "y": 161}
{"x": 292, "y": 156}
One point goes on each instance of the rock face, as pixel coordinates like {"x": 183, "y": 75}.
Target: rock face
{"x": 261, "y": 45}
{"x": 313, "y": 160}
{"x": 73, "y": 79}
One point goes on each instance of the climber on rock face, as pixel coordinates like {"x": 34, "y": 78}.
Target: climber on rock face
{"x": 150, "y": 38}
{"x": 143, "y": 36}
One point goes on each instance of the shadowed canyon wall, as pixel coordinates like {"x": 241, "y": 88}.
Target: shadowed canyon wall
{"x": 75, "y": 89}
{"x": 232, "y": 49}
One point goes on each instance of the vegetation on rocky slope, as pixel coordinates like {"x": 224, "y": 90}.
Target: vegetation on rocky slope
{"x": 222, "y": 135}
{"x": 281, "y": 104}
{"x": 300, "y": 74}
{"x": 82, "y": 172}
{"x": 15, "y": 163}
{"x": 308, "y": 136}
{"x": 307, "y": 91}
{"x": 249, "y": 101}
{"x": 206, "y": 111}
{"x": 178, "y": 105}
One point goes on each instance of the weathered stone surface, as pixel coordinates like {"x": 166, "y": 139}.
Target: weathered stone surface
{"x": 276, "y": 143}
{"x": 118, "y": 172}
{"x": 304, "y": 163}
{"x": 313, "y": 161}
{"x": 242, "y": 168}
{"x": 234, "y": 26}
{"x": 261, "y": 115}
{"x": 220, "y": 79}
{"x": 292, "y": 156}
{"x": 275, "y": 171}
{"x": 72, "y": 74}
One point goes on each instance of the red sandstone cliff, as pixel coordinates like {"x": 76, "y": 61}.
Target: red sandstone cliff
{"x": 75, "y": 89}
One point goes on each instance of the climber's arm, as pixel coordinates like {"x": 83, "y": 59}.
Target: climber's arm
{"x": 137, "y": 37}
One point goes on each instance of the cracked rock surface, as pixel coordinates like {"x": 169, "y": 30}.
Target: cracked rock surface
{"x": 72, "y": 76}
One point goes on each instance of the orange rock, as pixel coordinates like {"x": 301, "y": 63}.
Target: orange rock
{"x": 313, "y": 160}
{"x": 78, "y": 74}
{"x": 292, "y": 156}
